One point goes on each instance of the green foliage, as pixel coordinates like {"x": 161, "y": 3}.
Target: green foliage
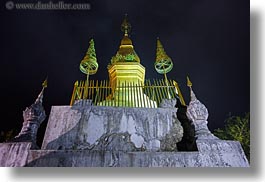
{"x": 237, "y": 128}
{"x": 131, "y": 57}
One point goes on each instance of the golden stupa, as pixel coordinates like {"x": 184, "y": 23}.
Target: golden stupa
{"x": 127, "y": 86}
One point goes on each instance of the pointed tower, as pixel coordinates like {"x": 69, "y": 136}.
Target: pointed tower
{"x": 125, "y": 71}
{"x": 89, "y": 65}
{"x": 33, "y": 117}
{"x": 163, "y": 63}
{"x": 198, "y": 114}
{"x": 126, "y": 51}
{"x": 125, "y": 65}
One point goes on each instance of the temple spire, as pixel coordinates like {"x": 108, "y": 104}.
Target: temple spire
{"x": 163, "y": 63}
{"x": 89, "y": 63}
{"x": 192, "y": 94}
{"x": 189, "y": 84}
{"x": 126, "y": 52}
{"x": 40, "y": 96}
{"x": 198, "y": 114}
{"x": 33, "y": 116}
{"x": 126, "y": 26}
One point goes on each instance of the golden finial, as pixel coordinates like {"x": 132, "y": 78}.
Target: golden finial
{"x": 126, "y": 26}
{"x": 76, "y": 83}
{"x": 192, "y": 95}
{"x": 189, "y": 84}
{"x": 45, "y": 83}
{"x": 40, "y": 96}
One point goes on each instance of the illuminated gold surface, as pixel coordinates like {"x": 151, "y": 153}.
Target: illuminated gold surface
{"x": 126, "y": 86}
{"x": 182, "y": 101}
{"x": 125, "y": 70}
{"x": 127, "y": 94}
{"x": 45, "y": 83}
{"x": 126, "y": 52}
{"x": 189, "y": 84}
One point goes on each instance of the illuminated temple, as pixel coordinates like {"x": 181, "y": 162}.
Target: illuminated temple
{"x": 126, "y": 121}
{"x": 126, "y": 86}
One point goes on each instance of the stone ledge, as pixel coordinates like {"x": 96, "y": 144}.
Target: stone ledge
{"x": 212, "y": 153}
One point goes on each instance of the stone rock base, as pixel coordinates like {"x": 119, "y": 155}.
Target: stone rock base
{"x": 211, "y": 153}
{"x": 14, "y": 154}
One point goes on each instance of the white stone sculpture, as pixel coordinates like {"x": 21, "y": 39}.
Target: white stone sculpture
{"x": 198, "y": 114}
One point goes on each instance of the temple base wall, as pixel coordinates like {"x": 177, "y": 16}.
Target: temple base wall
{"x": 212, "y": 153}
{"x": 112, "y": 128}
{"x": 97, "y": 136}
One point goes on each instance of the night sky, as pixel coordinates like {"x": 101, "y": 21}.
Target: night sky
{"x": 207, "y": 40}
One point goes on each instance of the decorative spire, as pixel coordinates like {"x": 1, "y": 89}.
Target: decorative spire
{"x": 189, "y": 84}
{"x": 40, "y": 96}
{"x": 126, "y": 26}
{"x": 126, "y": 52}
{"x": 192, "y": 94}
{"x": 89, "y": 64}
{"x": 163, "y": 63}
{"x": 33, "y": 116}
{"x": 198, "y": 114}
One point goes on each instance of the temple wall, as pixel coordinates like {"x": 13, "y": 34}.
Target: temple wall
{"x": 97, "y": 136}
{"x": 14, "y": 154}
{"x": 212, "y": 153}
{"x": 130, "y": 129}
